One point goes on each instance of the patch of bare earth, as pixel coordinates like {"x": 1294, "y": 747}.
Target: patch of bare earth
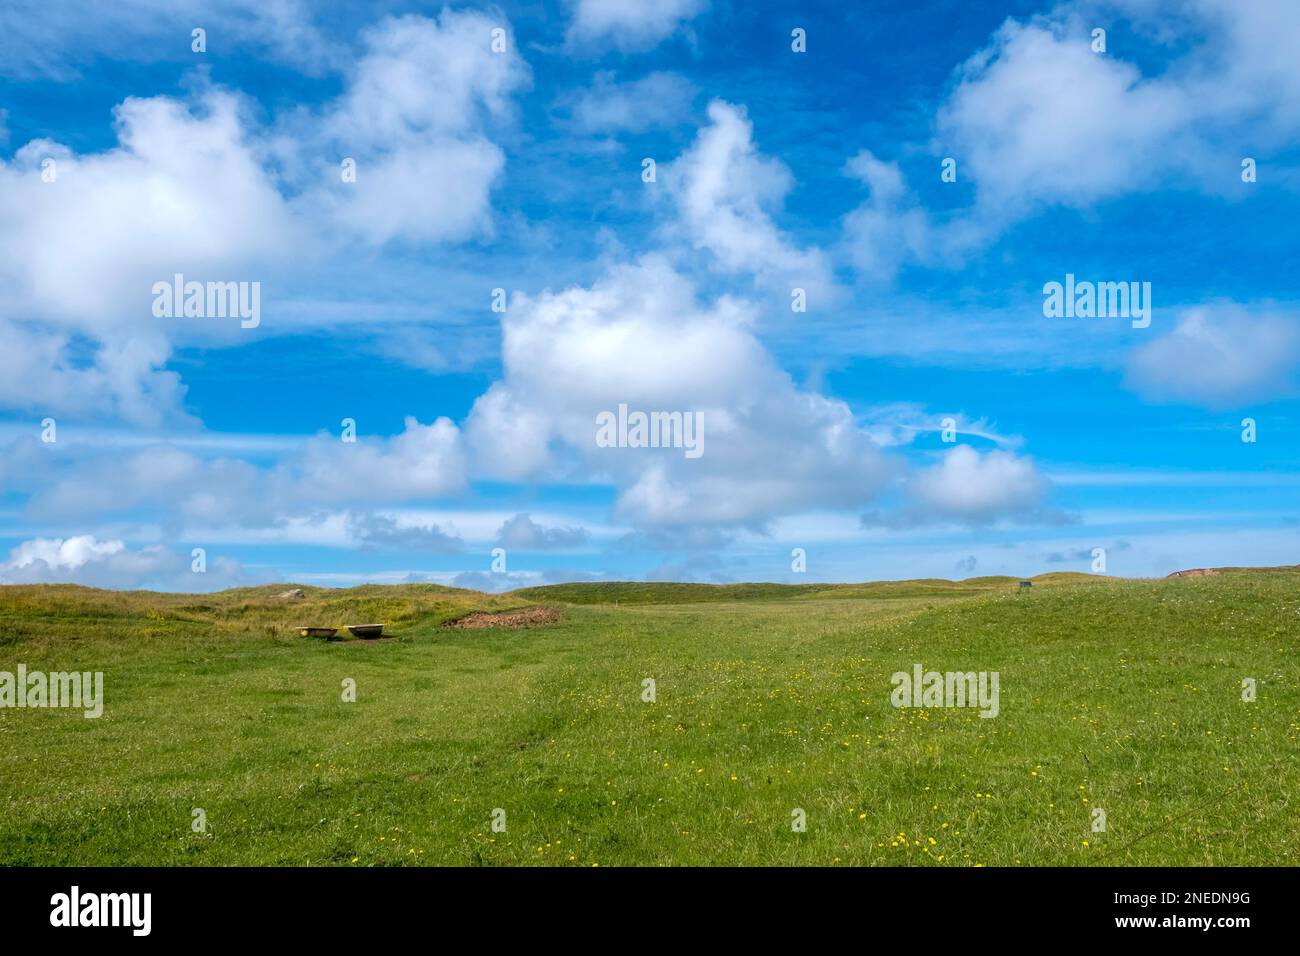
{"x": 524, "y": 617}
{"x": 1194, "y": 573}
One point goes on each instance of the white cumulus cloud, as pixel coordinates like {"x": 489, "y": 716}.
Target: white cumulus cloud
{"x": 1220, "y": 356}
{"x": 725, "y": 191}
{"x": 83, "y": 559}
{"x": 970, "y": 488}
{"x": 641, "y": 337}
{"x": 413, "y": 118}
{"x": 629, "y": 26}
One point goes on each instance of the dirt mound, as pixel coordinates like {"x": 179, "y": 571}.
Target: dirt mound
{"x": 524, "y": 617}
{"x": 1194, "y": 573}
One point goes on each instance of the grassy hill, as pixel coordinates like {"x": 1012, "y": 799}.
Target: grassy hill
{"x": 51, "y": 612}
{"x": 1118, "y": 695}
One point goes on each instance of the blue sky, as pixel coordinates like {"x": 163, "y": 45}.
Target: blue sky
{"x": 514, "y": 160}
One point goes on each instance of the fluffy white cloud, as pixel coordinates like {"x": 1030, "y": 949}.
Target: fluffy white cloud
{"x": 640, "y": 337}
{"x": 724, "y": 191}
{"x": 1235, "y": 71}
{"x": 62, "y": 554}
{"x": 402, "y": 194}
{"x": 39, "y": 374}
{"x": 189, "y": 189}
{"x": 182, "y": 192}
{"x": 411, "y": 119}
{"x": 891, "y": 228}
{"x": 1221, "y": 356}
{"x": 629, "y": 26}
{"x": 967, "y": 487}
{"x": 83, "y": 559}
{"x": 1038, "y": 116}
{"x": 421, "y": 76}
{"x": 422, "y": 461}
{"x": 1037, "y": 119}
{"x": 197, "y": 187}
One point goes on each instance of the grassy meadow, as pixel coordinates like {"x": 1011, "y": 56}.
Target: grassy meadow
{"x": 1120, "y": 695}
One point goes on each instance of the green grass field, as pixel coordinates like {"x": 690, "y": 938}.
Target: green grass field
{"x": 1120, "y": 695}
